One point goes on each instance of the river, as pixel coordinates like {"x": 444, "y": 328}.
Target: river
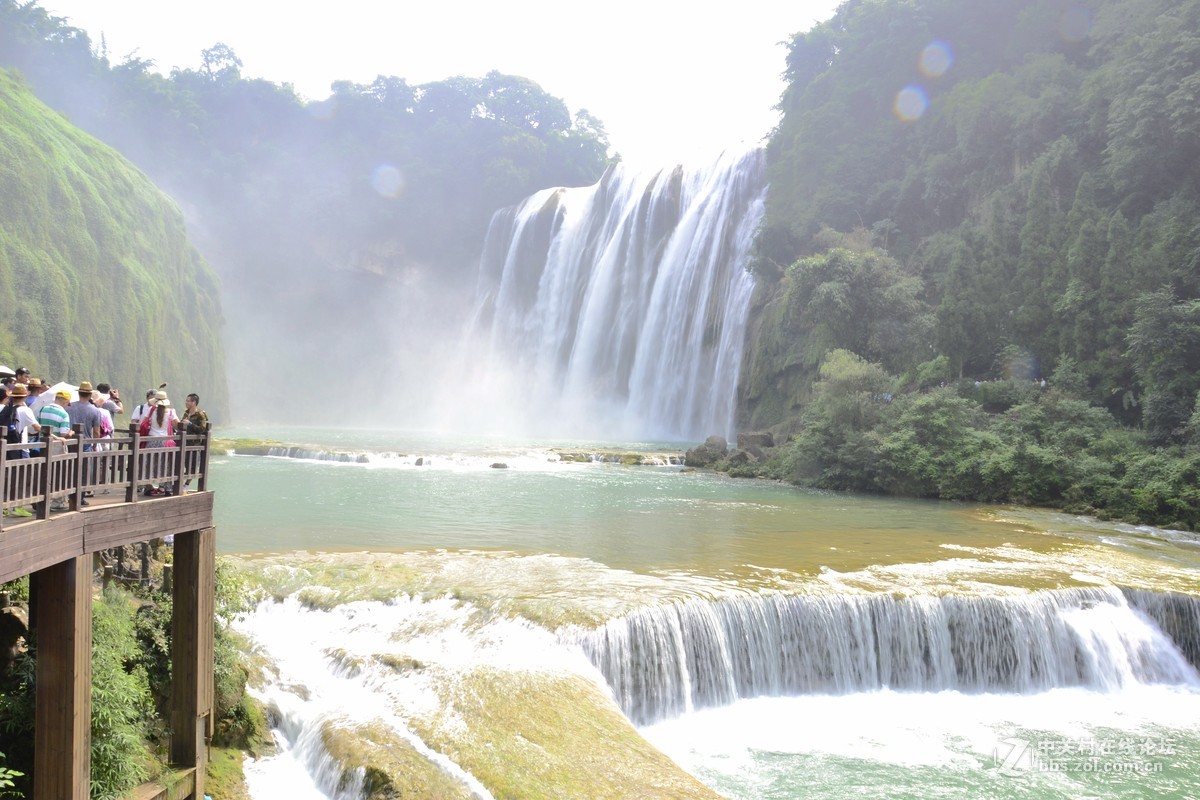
{"x": 522, "y": 625}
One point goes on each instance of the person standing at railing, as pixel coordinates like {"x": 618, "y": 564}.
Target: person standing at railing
{"x": 159, "y": 422}
{"x": 106, "y": 420}
{"x": 142, "y": 409}
{"x": 17, "y": 422}
{"x": 54, "y": 419}
{"x": 83, "y": 412}
{"x": 35, "y": 387}
{"x": 56, "y": 427}
{"x": 194, "y": 419}
{"x": 194, "y": 422}
{"x": 110, "y": 399}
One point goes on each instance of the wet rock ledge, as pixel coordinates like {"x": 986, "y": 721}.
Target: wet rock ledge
{"x": 752, "y": 448}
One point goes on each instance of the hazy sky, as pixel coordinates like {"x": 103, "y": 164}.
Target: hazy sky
{"x": 671, "y": 80}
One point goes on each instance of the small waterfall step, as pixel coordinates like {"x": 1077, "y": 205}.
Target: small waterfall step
{"x": 664, "y": 661}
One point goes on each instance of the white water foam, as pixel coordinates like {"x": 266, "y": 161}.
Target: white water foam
{"x": 878, "y": 741}
{"x": 522, "y": 461}
{"x": 339, "y": 667}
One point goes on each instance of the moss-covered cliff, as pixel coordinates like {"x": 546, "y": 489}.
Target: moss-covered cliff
{"x": 97, "y": 278}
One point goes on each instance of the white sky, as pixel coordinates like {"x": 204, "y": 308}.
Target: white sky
{"x": 672, "y": 80}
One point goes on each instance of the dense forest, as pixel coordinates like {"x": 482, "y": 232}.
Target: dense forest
{"x": 980, "y": 269}
{"x": 370, "y": 205}
{"x": 97, "y": 277}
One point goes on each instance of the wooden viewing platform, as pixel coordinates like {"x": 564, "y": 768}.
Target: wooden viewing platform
{"x": 56, "y": 550}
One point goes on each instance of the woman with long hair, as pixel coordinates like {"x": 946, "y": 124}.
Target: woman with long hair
{"x": 158, "y": 423}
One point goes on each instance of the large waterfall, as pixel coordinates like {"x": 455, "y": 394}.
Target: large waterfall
{"x": 618, "y": 310}
{"x": 668, "y": 660}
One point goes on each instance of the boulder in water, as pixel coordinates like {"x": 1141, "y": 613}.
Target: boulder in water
{"x": 499, "y": 465}
{"x": 717, "y": 444}
{"x": 739, "y": 457}
{"x": 700, "y": 456}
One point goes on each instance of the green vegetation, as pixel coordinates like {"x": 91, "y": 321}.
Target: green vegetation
{"x": 131, "y": 671}
{"x": 96, "y": 273}
{"x": 316, "y": 212}
{"x": 8, "y": 779}
{"x": 1002, "y": 441}
{"x": 1035, "y": 220}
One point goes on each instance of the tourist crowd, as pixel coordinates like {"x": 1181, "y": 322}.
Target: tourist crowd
{"x": 33, "y": 410}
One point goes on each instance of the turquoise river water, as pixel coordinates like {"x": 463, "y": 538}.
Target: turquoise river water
{"x": 773, "y": 642}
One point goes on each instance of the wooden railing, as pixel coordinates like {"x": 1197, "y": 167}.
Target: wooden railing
{"x": 63, "y": 471}
{"x": 56, "y": 550}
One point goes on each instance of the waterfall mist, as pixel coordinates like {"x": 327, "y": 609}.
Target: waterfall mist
{"x": 615, "y": 311}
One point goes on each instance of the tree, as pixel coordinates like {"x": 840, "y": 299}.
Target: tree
{"x": 220, "y": 63}
{"x": 1164, "y": 346}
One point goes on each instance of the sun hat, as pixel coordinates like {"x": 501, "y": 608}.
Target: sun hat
{"x": 18, "y": 390}
{"x": 84, "y": 388}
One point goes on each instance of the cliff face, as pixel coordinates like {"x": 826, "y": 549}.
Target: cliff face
{"x": 98, "y": 280}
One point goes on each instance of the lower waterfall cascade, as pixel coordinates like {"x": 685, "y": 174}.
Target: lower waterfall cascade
{"x": 663, "y": 661}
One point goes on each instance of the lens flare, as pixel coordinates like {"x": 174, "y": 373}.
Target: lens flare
{"x": 910, "y": 104}
{"x": 1075, "y": 24}
{"x": 935, "y": 59}
{"x": 387, "y": 181}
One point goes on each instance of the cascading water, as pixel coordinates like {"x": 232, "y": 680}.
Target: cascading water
{"x": 664, "y": 661}
{"x": 618, "y": 310}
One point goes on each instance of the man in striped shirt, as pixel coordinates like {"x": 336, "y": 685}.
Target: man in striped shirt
{"x": 56, "y": 426}
{"x": 53, "y": 416}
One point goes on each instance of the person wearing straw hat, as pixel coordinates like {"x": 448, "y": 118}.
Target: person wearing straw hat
{"x": 159, "y": 422}
{"x": 16, "y": 420}
{"x": 56, "y": 429}
{"x": 18, "y": 416}
{"x": 84, "y": 412}
{"x": 35, "y": 387}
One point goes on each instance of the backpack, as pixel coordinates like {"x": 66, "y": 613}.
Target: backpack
{"x": 10, "y": 422}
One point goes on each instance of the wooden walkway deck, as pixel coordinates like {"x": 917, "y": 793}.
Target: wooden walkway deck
{"x": 100, "y": 490}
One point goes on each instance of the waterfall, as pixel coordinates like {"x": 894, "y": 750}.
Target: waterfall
{"x": 619, "y": 310}
{"x": 664, "y": 661}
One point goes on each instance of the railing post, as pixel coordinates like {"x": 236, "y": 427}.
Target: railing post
{"x": 202, "y": 483}
{"x": 3, "y": 477}
{"x": 44, "y": 511}
{"x": 180, "y": 466}
{"x": 77, "y": 495}
{"x": 135, "y": 454}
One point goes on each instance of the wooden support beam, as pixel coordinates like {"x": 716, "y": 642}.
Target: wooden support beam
{"x": 62, "y": 613}
{"x": 192, "y": 649}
